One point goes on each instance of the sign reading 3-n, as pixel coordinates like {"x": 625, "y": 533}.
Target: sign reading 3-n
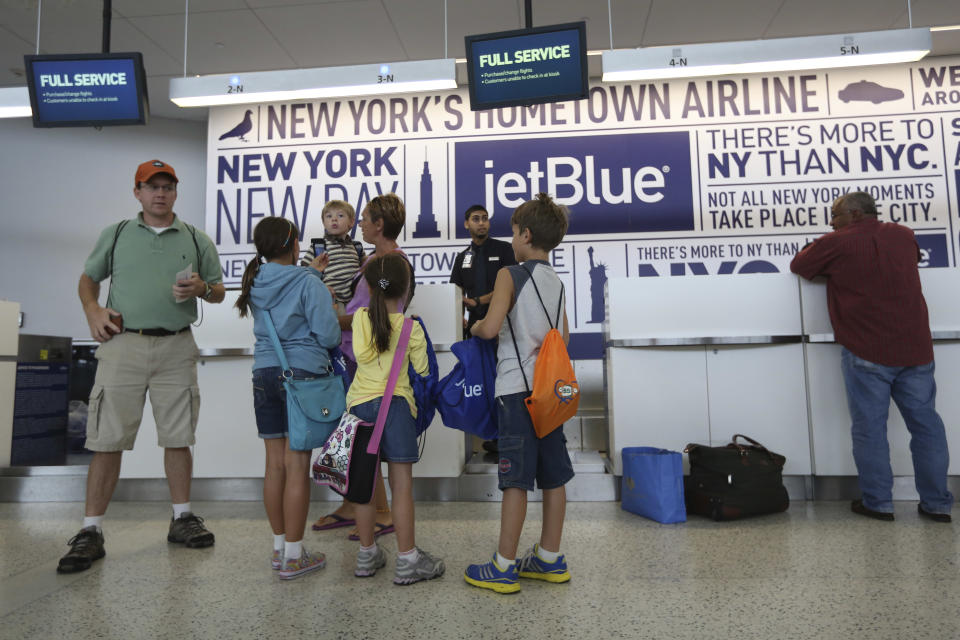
{"x": 611, "y": 183}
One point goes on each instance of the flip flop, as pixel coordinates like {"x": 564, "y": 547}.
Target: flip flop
{"x": 338, "y": 521}
{"x": 379, "y": 529}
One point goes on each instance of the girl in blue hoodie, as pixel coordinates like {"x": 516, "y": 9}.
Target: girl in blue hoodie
{"x": 302, "y": 312}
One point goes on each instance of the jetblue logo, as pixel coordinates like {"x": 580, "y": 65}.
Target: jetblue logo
{"x": 612, "y": 184}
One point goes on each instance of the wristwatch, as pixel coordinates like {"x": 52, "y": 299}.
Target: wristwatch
{"x": 206, "y": 294}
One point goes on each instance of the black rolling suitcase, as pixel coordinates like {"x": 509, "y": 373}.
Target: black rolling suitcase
{"x": 735, "y": 481}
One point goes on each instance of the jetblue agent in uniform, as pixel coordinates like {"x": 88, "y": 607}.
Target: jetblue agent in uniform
{"x": 879, "y": 315}
{"x": 301, "y": 310}
{"x": 146, "y": 344}
{"x": 475, "y": 268}
{"x": 517, "y": 315}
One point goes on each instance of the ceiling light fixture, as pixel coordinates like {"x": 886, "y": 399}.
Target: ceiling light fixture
{"x": 761, "y": 56}
{"x": 946, "y": 27}
{"x": 325, "y": 82}
{"x": 15, "y": 103}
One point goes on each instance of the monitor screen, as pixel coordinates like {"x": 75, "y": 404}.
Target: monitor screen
{"x": 529, "y": 66}
{"x": 90, "y": 89}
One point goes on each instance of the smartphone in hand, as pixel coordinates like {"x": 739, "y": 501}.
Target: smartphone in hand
{"x": 318, "y": 246}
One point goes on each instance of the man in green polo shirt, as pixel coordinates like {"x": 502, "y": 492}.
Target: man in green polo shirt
{"x": 158, "y": 266}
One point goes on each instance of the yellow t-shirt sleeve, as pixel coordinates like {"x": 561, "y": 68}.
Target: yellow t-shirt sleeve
{"x": 417, "y": 349}
{"x": 362, "y": 331}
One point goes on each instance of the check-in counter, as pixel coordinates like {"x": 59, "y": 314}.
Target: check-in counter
{"x": 829, "y": 418}
{"x": 701, "y": 358}
{"x": 227, "y": 443}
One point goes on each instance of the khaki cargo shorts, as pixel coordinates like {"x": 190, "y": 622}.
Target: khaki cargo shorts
{"x": 128, "y": 365}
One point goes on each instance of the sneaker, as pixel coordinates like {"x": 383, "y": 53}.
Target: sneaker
{"x": 425, "y": 567}
{"x": 188, "y": 530}
{"x": 369, "y": 561}
{"x": 276, "y": 561}
{"x": 85, "y": 547}
{"x": 489, "y": 575}
{"x": 533, "y": 566}
{"x": 307, "y": 562}
{"x": 936, "y": 517}
{"x": 857, "y": 507}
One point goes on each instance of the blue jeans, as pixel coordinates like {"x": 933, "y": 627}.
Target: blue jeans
{"x": 869, "y": 389}
{"x": 523, "y": 456}
{"x": 399, "y": 442}
{"x": 270, "y": 400}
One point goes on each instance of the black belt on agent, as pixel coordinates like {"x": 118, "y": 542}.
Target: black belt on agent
{"x": 157, "y": 333}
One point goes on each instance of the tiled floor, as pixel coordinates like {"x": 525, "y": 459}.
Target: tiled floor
{"x": 817, "y": 571}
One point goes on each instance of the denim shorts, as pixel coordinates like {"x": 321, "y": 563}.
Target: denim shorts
{"x": 525, "y": 457}
{"x": 399, "y": 443}
{"x": 270, "y": 400}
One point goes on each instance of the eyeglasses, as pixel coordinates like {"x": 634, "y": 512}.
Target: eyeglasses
{"x": 837, "y": 214}
{"x": 151, "y": 188}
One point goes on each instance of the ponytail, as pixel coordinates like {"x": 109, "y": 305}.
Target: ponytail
{"x": 380, "y": 320}
{"x": 243, "y": 300}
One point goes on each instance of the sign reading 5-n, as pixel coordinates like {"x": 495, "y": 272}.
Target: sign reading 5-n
{"x": 612, "y": 183}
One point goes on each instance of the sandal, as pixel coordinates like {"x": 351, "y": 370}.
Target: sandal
{"x": 338, "y": 521}
{"x": 379, "y": 529}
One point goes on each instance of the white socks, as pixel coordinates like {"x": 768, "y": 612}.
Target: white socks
{"x": 409, "y": 556}
{"x": 93, "y": 521}
{"x": 292, "y": 550}
{"x": 504, "y": 563}
{"x": 546, "y": 556}
{"x": 278, "y": 541}
{"x": 180, "y": 509}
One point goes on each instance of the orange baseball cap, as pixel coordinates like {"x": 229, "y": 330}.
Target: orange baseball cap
{"x": 151, "y": 168}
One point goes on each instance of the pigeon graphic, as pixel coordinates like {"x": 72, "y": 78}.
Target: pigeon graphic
{"x": 241, "y": 129}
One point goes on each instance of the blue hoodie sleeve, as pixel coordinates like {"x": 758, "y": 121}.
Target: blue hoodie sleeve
{"x": 320, "y": 314}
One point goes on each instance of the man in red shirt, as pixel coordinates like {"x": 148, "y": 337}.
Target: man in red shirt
{"x": 879, "y": 316}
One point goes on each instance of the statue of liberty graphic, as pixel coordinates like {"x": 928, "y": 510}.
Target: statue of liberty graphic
{"x": 598, "y": 277}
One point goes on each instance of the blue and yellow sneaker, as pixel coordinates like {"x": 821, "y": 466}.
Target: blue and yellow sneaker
{"x": 489, "y": 575}
{"x": 533, "y": 566}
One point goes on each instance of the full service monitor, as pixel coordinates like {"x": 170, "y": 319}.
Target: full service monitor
{"x": 90, "y": 89}
{"x": 528, "y": 66}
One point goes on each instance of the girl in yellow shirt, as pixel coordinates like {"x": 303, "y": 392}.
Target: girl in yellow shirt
{"x": 376, "y": 333}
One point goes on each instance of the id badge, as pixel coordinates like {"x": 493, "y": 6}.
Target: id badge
{"x": 467, "y": 260}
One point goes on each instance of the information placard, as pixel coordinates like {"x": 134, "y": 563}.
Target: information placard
{"x": 87, "y": 89}
{"x": 530, "y": 66}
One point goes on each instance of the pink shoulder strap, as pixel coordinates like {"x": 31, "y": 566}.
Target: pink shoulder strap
{"x": 374, "y": 445}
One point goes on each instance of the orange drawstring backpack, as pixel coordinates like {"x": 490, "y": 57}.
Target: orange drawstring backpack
{"x": 556, "y": 392}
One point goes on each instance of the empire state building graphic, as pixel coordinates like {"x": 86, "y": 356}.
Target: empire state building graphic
{"x": 426, "y": 226}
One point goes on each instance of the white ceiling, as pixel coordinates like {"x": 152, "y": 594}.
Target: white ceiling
{"x": 255, "y": 35}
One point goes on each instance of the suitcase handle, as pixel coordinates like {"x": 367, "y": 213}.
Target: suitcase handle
{"x": 751, "y": 441}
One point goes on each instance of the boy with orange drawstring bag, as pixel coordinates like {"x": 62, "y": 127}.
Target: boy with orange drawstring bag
{"x": 532, "y": 448}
